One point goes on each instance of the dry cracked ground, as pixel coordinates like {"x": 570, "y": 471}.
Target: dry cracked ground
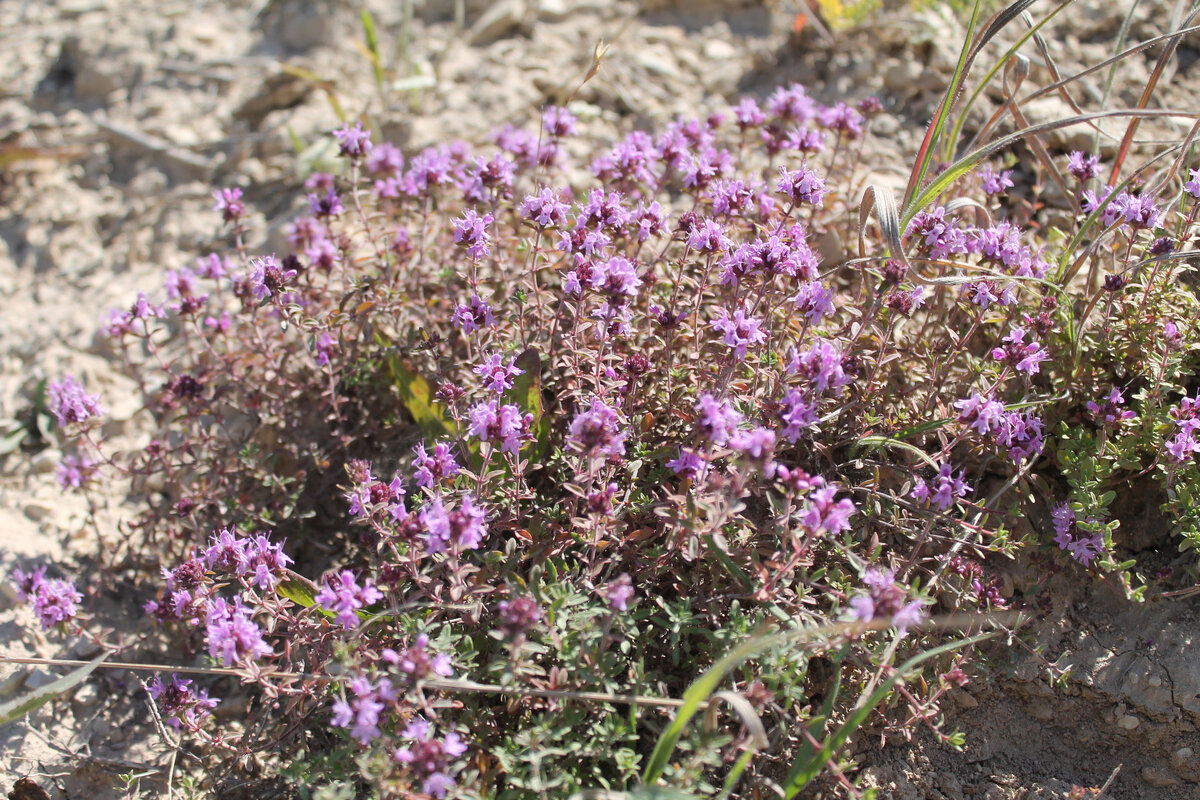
{"x": 119, "y": 117}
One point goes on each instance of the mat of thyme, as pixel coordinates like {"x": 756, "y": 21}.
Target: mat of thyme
{"x": 668, "y": 471}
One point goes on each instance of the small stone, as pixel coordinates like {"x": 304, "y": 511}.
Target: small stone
{"x": 719, "y": 50}
{"x": 9, "y": 684}
{"x": 44, "y": 462}
{"x": 1182, "y": 756}
{"x": 86, "y": 649}
{"x": 553, "y": 10}
{"x": 1158, "y": 778}
{"x": 86, "y": 696}
{"x": 656, "y": 65}
{"x": 499, "y": 21}
{"x": 1128, "y": 722}
{"x": 39, "y": 678}
{"x": 36, "y": 510}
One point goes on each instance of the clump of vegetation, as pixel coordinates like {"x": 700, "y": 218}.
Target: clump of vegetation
{"x": 498, "y": 478}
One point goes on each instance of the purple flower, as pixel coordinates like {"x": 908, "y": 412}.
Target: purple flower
{"x": 945, "y": 488}
{"x": 517, "y": 616}
{"x": 1016, "y": 353}
{"x": 825, "y": 515}
{"x": 416, "y": 662}
{"x": 597, "y": 431}
{"x": 361, "y": 713}
{"x": 491, "y": 422}
{"x": 740, "y": 331}
{"x": 229, "y": 203}
{"x": 1023, "y": 434}
{"x": 471, "y": 230}
{"x": 802, "y": 186}
{"x": 748, "y": 114}
{"x": 384, "y": 159}
{"x": 823, "y": 366}
{"x": 267, "y": 278}
{"x": 843, "y": 119}
{"x": 687, "y": 463}
{"x": 1192, "y": 187}
{"x": 885, "y": 598}
{"x": 792, "y": 104}
{"x": 497, "y": 376}
{"x": 616, "y": 277}
{"x": 708, "y": 237}
{"x": 182, "y": 705}
{"x": 798, "y": 412}
{"x": 701, "y": 169}
{"x": 232, "y": 637}
{"x": 255, "y": 556}
{"x": 717, "y": 419}
{"x": 1082, "y": 545}
{"x": 68, "y": 402}
{"x": 804, "y": 140}
{"x": 650, "y": 220}
{"x": 54, "y": 600}
{"x": 546, "y": 208}
{"x": 354, "y": 142}
{"x": 619, "y": 592}
{"x": 995, "y": 182}
{"x": 430, "y": 758}
{"x": 1109, "y": 411}
{"x": 937, "y": 236}
{"x": 815, "y": 301}
{"x": 432, "y": 470}
{"x": 757, "y": 445}
{"x": 1083, "y": 166}
{"x": 464, "y": 527}
{"x": 474, "y": 316}
{"x": 74, "y": 471}
{"x": 326, "y": 205}
{"x": 558, "y": 122}
{"x": 342, "y": 594}
{"x": 599, "y": 502}
{"x": 981, "y": 412}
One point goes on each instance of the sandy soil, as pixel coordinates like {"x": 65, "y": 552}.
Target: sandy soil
{"x": 126, "y": 114}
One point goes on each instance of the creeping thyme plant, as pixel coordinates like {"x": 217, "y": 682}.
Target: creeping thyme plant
{"x": 511, "y": 447}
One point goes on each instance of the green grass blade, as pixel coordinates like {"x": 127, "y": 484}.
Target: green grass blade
{"x": 932, "y": 133}
{"x": 956, "y": 132}
{"x": 968, "y": 162}
{"x": 807, "y": 772}
{"x": 19, "y": 707}
{"x": 371, "y": 34}
{"x": 694, "y": 699}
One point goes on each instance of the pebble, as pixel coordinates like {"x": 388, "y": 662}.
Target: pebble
{"x": 657, "y": 66}
{"x": 499, "y": 21}
{"x": 39, "y": 678}
{"x": 87, "y": 696}
{"x": 719, "y": 50}
{"x": 9, "y": 684}
{"x": 44, "y": 462}
{"x": 36, "y": 510}
{"x": 1158, "y": 778}
{"x": 1128, "y": 722}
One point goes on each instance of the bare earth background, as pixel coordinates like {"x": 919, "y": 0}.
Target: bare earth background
{"x": 135, "y": 110}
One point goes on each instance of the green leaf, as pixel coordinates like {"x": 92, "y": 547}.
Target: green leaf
{"x": 372, "y": 37}
{"x": 880, "y": 442}
{"x": 527, "y": 393}
{"x": 19, "y": 707}
{"x": 297, "y": 588}
{"x": 417, "y": 397}
{"x": 803, "y": 773}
